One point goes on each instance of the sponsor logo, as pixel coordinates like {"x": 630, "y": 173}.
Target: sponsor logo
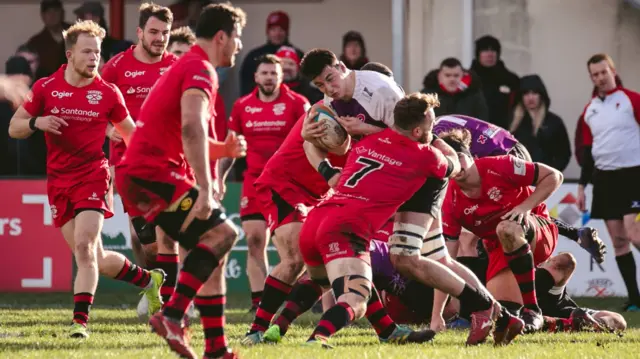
{"x": 360, "y": 150}
{"x": 10, "y": 226}
{"x": 482, "y": 140}
{"x": 494, "y": 193}
{"x": 384, "y": 158}
{"x": 61, "y": 94}
{"x": 470, "y": 210}
{"x": 75, "y": 112}
{"x": 133, "y": 74}
{"x": 138, "y": 90}
{"x": 186, "y": 204}
{"x": 599, "y": 287}
{"x": 278, "y": 109}
{"x": 163, "y": 70}
{"x": 94, "y": 197}
{"x": 204, "y": 79}
{"x": 47, "y": 82}
{"x": 262, "y": 124}
{"x": 334, "y": 247}
{"x": 252, "y": 110}
{"x": 385, "y": 140}
{"x": 518, "y": 166}
{"x": 94, "y": 97}
{"x": 55, "y": 110}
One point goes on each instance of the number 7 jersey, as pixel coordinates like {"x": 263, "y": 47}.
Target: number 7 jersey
{"x": 382, "y": 172}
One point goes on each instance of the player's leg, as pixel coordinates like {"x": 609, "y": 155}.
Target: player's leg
{"x": 167, "y": 259}
{"x": 351, "y": 282}
{"x": 208, "y": 242}
{"x": 257, "y": 237}
{"x": 520, "y": 259}
{"x": 625, "y": 261}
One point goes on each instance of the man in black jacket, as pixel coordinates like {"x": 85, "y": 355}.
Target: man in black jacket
{"x": 541, "y": 131}
{"x": 460, "y": 92}
{"x": 499, "y": 85}
{"x": 277, "y": 35}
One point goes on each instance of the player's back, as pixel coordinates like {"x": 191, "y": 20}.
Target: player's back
{"x": 486, "y": 139}
{"x": 382, "y": 172}
{"x": 158, "y": 137}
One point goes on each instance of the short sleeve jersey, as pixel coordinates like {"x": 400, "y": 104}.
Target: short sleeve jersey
{"x": 265, "y": 125}
{"x": 374, "y": 98}
{"x": 486, "y": 139}
{"x": 506, "y": 182}
{"x": 77, "y": 153}
{"x": 382, "y": 172}
{"x": 135, "y": 80}
{"x": 157, "y": 141}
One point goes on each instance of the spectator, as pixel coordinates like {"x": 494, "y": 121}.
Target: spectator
{"x": 93, "y": 10}
{"x": 459, "y": 91}
{"x": 49, "y": 43}
{"x": 292, "y": 77}
{"x": 354, "y": 53}
{"x": 499, "y": 85}
{"x": 181, "y": 40}
{"x": 541, "y": 131}
{"x": 278, "y": 25}
{"x": 15, "y": 86}
{"x": 611, "y": 135}
{"x": 31, "y": 56}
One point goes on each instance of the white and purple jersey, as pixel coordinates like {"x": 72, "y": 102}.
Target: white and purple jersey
{"x": 374, "y": 98}
{"x": 486, "y": 139}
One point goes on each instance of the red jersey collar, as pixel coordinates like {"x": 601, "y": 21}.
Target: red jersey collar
{"x": 196, "y": 49}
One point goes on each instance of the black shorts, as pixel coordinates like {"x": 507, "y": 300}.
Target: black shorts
{"x": 521, "y": 152}
{"x": 616, "y": 193}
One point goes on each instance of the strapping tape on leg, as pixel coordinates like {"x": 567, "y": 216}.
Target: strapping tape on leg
{"x": 434, "y": 246}
{"x": 406, "y": 239}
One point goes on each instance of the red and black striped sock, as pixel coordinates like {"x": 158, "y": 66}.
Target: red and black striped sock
{"x": 169, "y": 264}
{"x": 275, "y": 293}
{"x": 134, "y": 274}
{"x": 334, "y": 319}
{"x": 304, "y": 295}
{"x": 82, "y": 305}
{"x": 255, "y": 298}
{"x": 555, "y": 325}
{"x": 211, "y": 310}
{"x": 197, "y": 268}
{"x": 521, "y": 264}
{"x": 378, "y": 316}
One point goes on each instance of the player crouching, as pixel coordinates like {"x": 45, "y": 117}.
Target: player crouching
{"x": 492, "y": 197}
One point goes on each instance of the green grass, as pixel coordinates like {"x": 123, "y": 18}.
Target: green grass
{"x": 34, "y": 326}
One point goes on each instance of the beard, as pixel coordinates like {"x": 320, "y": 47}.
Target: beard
{"x": 424, "y": 139}
{"x": 149, "y": 49}
{"x": 267, "y": 92}
{"x": 85, "y": 72}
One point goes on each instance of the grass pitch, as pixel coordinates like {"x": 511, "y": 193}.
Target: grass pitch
{"x": 34, "y": 326}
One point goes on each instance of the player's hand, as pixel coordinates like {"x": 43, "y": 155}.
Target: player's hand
{"x": 333, "y": 182}
{"x": 582, "y": 199}
{"x": 517, "y": 214}
{"x": 51, "y": 124}
{"x": 219, "y": 190}
{"x": 14, "y": 90}
{"x": 235, "y": 145}
{"x": 204, "y": 204}
{"x": 437, "y": 323}
{"x": 353, "y": 125}
{"x": 114, "y": 135}
{"x": 312, "y": 129}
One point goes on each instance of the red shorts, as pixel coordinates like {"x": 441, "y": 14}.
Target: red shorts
{"x": 92, "y": 193}
{"x": 249, "y": 205}
{"x": 385, "y": 232}
{"x": 283, "y": 202}
{"x": 147, "y": 192}
{"x": 546, "y": 238}
{"x": 330, "y": 233}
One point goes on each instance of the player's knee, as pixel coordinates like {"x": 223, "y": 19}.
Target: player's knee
{"x": 256, "y": 243}
{"x": 85, "y": 251}
{"x": 510, "y": 234}
{"x": 355, "y": 290}
{"x": 293, "y": 264}
{"x": 621, "y": 245}
{"x": 566, "y": 263}
{"x": 226, "y": 235}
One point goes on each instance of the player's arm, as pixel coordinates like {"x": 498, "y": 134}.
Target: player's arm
{"x": 319, "y": 161}
{"x": 194, "y": 105}
{"x": 25, "y": 121}
{"x": 355, "y": 127}
{"x": 545, "y": 179}
{"x": 450, "y": 155}
{"x": 124, "y": 129}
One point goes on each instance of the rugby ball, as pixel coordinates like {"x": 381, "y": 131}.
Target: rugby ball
{"x": 335, "y": 133}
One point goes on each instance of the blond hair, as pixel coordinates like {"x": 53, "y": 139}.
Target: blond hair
{"x": 86, "y": 27}
{"x": 413, "y": 108}
{"x": 460, "y": 136}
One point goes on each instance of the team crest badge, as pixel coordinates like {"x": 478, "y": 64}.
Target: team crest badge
{"x": 186, "y": 204}
{"x": 94, "y": 97}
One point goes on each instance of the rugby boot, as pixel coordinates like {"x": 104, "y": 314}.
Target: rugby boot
{"x": 229, "y": 354}
{"x": 589, "y": 240}
{"x": 319, "y": 341}
{"x": 532, "y": 319}
{"x": 174, "y": 333}
{"x": 152, "y": 291}
{"x": 507, "y": 328}
{"x": 273, "y": 334}
{"x": 78, "y": 330}
{"x": 581, "y": 320}
{"x": 253, "y": 338}
{"x": 482, "y": 323}
{"x": 404, "y": 335}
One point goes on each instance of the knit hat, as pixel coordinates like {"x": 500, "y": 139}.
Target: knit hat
{"x": 488, "y": 42}
{"x": 278, "y": 18}
{"x": 288, "y": 52}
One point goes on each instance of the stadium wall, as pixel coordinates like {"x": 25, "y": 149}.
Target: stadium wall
{"x": 35, "y": 257}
